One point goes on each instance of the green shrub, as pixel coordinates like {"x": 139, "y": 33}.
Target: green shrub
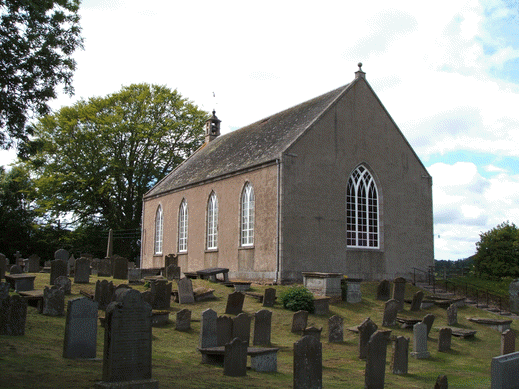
{"x": 298, "y": 298}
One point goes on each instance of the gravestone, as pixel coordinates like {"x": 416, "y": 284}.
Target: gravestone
{"x": 299, "y": 320}
{"x": 308, "y": 363}
{"x": 5, "y": 304}
{"x": 61, "y": 254}
{"x": 269, "y": 298}
{"x": 513, "y": 291}
{"x": 53, "y": 301}
{"x": 18, "y": 260}
{"x": 3, "y": 266}
{"x": 234, "y": 303}
{"x": 104, "y": 268}
{"x": 13, "y": 314}
{"x": 134, "y": 276}
{"x": 444, "y": 339}
{"x": 63, "y": 282}
{"x": 208, "y": 329}
{"x": 417, "y": 301}
{"x": 262, "y": 328}
{"x": 400, "y": 361}
{"x": 429, "y": 321}
{"x": 82, "y": 271}
{"x": 173, "y": 272}
{"x": 235, "y": 360}
{"x": 390, "y": 313}
{"x": 399, "y": 292}
{"x": 504, "y": 371}
{"x": 15, "y": 269}
{"x": 104, "y": 293}
{"x": 71, "y": 262}
{"x": 313, "y": 331}
{"x": 119, "y": 268}
{"x": 223, "y": 330}
{"x": 383, "y": 290}
{"x": 183, "y": 320}
{"x": 441, "y": 382}
{"x": 335, "y": 329}
{"x": 241, "y": 327}
{"x": 420, "y": 341}
{"x": 58, "y": 268}
{"x": 452, "y": 315}
{"x": 366, "y": 329}
{"x": 376, "y": 360}
{"x": 33, "y": 264}
{"x": 128, "y": 340}
{"x": 170, "y": 259}
{"x": 185, "y": 291}
{"x": 507, "y": 342}
{"x": 161, "y": 292}
{"x": 80, "y": 329}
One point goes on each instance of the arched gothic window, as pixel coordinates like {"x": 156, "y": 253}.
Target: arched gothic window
{"x": 362, "y": 210}
{"x": 212, "y": 222}
{"x": 159, "y": 222}
{"x": 182, "y": 227}
{"x": 247, "y": 215}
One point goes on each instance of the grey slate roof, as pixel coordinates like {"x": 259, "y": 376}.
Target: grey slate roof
{"x": 249, "y": 146}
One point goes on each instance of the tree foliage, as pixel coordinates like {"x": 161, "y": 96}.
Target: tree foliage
{"x": 497, "y": 252}
{"x": 37, "y": 40}
{"x": 96, "y": 159}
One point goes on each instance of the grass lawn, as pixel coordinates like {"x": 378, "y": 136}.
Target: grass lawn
{"x": 35, "y": 360}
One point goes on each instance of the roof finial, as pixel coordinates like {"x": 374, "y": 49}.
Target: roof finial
{"x": 360, "y": 66}
{"x": 359, "y": 73}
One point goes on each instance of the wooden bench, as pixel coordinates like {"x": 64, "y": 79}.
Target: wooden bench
{"x": 212, "y": 273}
{"x": 263, "y": 359}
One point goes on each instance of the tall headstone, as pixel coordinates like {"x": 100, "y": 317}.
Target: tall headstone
{"x": 400, "y": 361}
{"x": 170, "y": 259}
{"x": 399, "y": 292}
{"x": 262, "y": 328}
{"x": 235, "y": 360}
{"x": 185, "y": 291}
{"x": 513, "y": 291}
{"x": 416, "y": 303}
{"x": 208, "y": 329}
{"x": 183, "y": 320}
{"x": 161, "y": 292}
{"x": 429, "y": 321}
{"x": 241, "y": 327}
{"x": 420, "y": 341}
{"x": 119, "y": 268}
{"x": 223, "y": 330}
{"x": 71, "y": 262}
{"x": 3, "y": 266}
{"x": 234, "y": 303}
{"x": 507, "y": 342}
{"x": 110, "y": 244}
{"x": 390, "y": 313}
{"x": 308, "y": 363}
{"x": 366, "y": 329}
{"x": 82, "y": 271}
{"x": 444, "y": 339}
{"x": 441, "y": 382}
{"x": 63, "y": 282}
{"x": 335, "y": 329}
{"x": 173, "y": 272}
{"x": 383, "y": 290}
{"x": 269, "y": 298}
{"x": 504, "y": 371}
{"x": 376, "y": 360}
{"x": 80, "y": 329}
{"x": 13, "y": 313}
{"x": 104, "y": 293}
{"x": 53, "y": 301}
{"x": 61, "y": 254}
{"x": 104, "y": 267}
{"x": 452, "y": 315}
{"x": 58, "y": 268}
{"x": 299, "y": 320}
{"x": 33, "y": 264}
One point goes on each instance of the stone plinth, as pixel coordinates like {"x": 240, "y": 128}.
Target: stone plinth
{"x": 324, "y": 284}
{"x": 20, "y": 282}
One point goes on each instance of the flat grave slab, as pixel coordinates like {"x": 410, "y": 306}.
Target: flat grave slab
{"x": 500, "y": 325}
{"x": 462, "y": 333}
{"x": 407, "y": 322}
{"x": 20, "y": 282}
{"x": 213, "y": 272}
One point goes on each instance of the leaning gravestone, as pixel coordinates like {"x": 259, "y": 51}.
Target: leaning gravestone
{"x": 223, "y": 330}
{"x": 119, "y": 268}
{"x": 80, "y": 329}
{"x": 82, "y": 271}
{"x": 183, "y": 320}
{"x": 417, "y": 301}
{"x": 13, "y": 314}
{"x": 399, "y": 292}
{"x": 504, "y": 371}
{"x": 335, "y": 329}
{"x": 444, "y": 339}
{"x": 299, "y": 320}
{"x": 208, "y": 329}
{"x": 262, "y": 328}
{"x": 507, "y": 342}
{"x": 308, "y": 363}
{"x": 63, "y": 282}
{"x": 383, "y": 290}
{"x": 452, "y": 315}
{"x": 161, "y": 292}
{"x": 429, "y": 321}
{"x": 376, "y": 360}
{"x": 185, "y": 291}
{"x": 269, "y": 297}
{"x": 241, "y": 327}
{"x": 420, "y": 341}
{"x": 366, "y": 329}
{"x": 234, "y": 303}
{"x": 400, "y": 361}
{"x": 235, "y": 360}
{"x": 53, "y": 301}
{"x": 58, "y": 268}
{"x": 104, "y": 293}
{"x": 33, "y": 264}
{"x": 390, "y": 313}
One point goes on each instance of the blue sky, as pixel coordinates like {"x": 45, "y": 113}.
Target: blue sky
{"x": 448, "y": 74}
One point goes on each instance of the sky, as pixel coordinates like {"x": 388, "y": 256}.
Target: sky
{"x": 448, "y": 75}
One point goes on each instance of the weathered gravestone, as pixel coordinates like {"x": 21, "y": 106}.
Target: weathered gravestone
{"x": 58, "y": 268}
{"x": 53, "y": 301}
{"x": 13, "y": 313}
{"x": 127, "y": 342}
{"x": 376, "y": 360}
{"x": 308, "y": 363}
{"x": 299, "y": 320}
{"x": 208, "y": 330}
{"x": 104, "y": 293}
{"x": 61, "y": 254}
{"x": 366, "y": 329}
{"x": 15, "y": 269}
{"x": 223, "y": 330}
{"x": 429, "y": 321}
{"x": 119, "y": 268}
{"x": 170, "y": 259}
{"x": 234, "y": 303}
{"x": 235, "y": 360}
{"x": 262, "y": 328}
{"x": 183, "y": 320}
{"x": 383, "y": 290}
{"x": 80, "y": 329}
{"x": 269, "y": 298}
{"x": 513, "y": 291}
{"x": 161, "y": 292}
{"x": 416, "y": 303}
{"x": 313, "y": 331}
{"x": 3, "y": 266}
{"x": 504, "y": 371}
{"x": 104, "y": 267}
{"x": 400, "y": 361}
{"x": 63, "y": 282}
{"x": 335, "y": 329}
{"x": 82, "y": 271}
{"x": 353, "y": 292}
{"x": 441, "y": 382}
{"x": 420, "y": 341}
{"x": 134, "y": 276}
{"x": 399, "y": 292}
{"x": 71, "y": 262}
{"x": 33, "y": 264}
{"x": 172, "y": 272}
{"x": 452, "y": 315}
{"x": 185, "y": 291}
{"x": 241, "y": 327}
{"x": 390, "y": 313}
{"x": 444, "y": 339}
{"x": 507, "y": 342}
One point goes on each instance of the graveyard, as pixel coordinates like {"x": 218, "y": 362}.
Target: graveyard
{"x": 36, "y": 359}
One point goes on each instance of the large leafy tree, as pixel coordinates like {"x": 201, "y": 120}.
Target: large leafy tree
{"x": 497, "y": 252}
{"x": 37, "y": 40}
{"x": 94, "y": 161}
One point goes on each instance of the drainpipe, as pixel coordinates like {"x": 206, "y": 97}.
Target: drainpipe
{"x": 278, "y": 233}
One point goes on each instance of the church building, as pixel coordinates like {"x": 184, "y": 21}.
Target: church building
{"x": 330, "y": 185}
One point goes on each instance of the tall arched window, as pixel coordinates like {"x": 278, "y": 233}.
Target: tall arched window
{"x": 362, "y": 224}
{"x": 159, "y": 222}
{"x": 212, "y": 222}
{"x": 247, "y": 215}
{"x": 182, "y": 227}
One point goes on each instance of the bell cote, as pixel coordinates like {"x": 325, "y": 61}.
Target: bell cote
{"x": 212, "y": 128}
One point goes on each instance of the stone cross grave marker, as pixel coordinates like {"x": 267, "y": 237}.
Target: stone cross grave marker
{"x": 18, "y": 260}
{"x": 208, "y": 329}
{"x": 420, "y": 341}
{"x": 366, "y": 329}
{"x": 399, "y": 292}
{"x": 185, "y": 291}
{"x": 53, "y": 301}
{"x": 299, "y": 320}
{"x": 444, "y": 339}
{"x": 308, "y": 363}
{"x": 234, "y": 303}
{"x": 13, "y": 314}
{"x": 63, "y": 282}
{"x": 241, "y": 327}
{"x": 33, "y": 264}
{"x": 58, "y": 268}
{"x": 262, "y": 328}
{"x": 183, "y": 320}
{"x": 223, "y": 330}
{"x": 504, "y": 371}
{"x": 335, "y": 329}
{"x": 383, "y": 290}
{"x": 235, "y": 360}
{"x": 452, "y": 315}
{"x": 104, "y": 293}
{"x": 80, "y": 329}
{"x": 507, "y": 342}
{"x": 429, "y": 321}
{"x": 119, "y": 267}
{"x": 416, "y": 303}
{"x": 269, "y": 298}
{"x": 376, "y": 360}
{"x": 390, "y": 313}
{"x": 400, "y": 361}
{"x": 82, "y": 271}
